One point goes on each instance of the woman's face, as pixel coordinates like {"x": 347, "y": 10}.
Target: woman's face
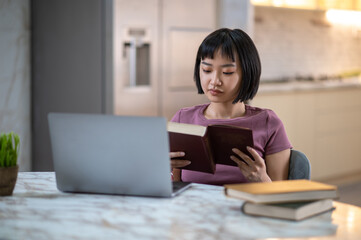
{"x": 220, "y": 78}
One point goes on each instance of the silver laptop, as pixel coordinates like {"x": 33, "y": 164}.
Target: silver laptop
{"x": 109, "y": 154}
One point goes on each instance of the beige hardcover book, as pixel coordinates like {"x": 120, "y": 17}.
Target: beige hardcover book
{"x": 281, "y": 191}
{"x": 291, "y": 211}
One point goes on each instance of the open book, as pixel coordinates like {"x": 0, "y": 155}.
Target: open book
{"x": 207, "y": 146}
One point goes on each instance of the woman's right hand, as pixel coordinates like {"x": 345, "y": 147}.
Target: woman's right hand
{"x": 178, "y": 163}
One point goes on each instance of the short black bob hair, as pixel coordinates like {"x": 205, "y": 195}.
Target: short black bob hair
{"x": 232, "y": 42}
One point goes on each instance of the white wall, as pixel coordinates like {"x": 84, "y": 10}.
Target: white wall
{"x": 300, "y": 42}
{"x": 15, "y": 74}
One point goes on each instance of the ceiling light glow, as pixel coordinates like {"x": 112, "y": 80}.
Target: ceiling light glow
{"x": 344, "y": 17}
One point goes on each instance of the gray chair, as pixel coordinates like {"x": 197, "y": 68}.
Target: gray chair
{"x": 300, "y": 167}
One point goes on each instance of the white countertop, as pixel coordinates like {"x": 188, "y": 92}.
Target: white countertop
{"x": 37, "y": 210}
{"x": 269, "y": 87}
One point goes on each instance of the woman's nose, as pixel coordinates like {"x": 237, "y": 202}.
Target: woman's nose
{"x": 216, "y": 81}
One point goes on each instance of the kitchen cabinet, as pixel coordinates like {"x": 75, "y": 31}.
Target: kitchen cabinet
{"x": 312, "y": 4}
{"x": 325, "y": 124}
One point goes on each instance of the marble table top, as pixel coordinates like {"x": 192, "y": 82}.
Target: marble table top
{"x": 37, "y": 210}
{"x": 271, "y": 87}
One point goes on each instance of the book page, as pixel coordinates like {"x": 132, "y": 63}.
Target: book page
{"x": 190, "y": 129}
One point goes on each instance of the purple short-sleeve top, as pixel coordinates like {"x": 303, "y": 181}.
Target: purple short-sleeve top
{"x": 269, "y": 137}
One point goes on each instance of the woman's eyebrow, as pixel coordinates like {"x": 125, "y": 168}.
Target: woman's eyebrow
{"x": 205, "y": 63}
{"x": 224, "y": 65}
{"x": 229, "y": 65}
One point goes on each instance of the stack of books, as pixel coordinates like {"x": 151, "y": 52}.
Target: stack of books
{"x": 289, "y": 199}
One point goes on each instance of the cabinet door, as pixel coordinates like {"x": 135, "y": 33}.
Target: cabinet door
{"x": 338, "y": 131}
{"x": 324, "y": 124}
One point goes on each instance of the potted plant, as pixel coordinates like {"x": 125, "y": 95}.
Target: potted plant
{"x": 9, "y": 149}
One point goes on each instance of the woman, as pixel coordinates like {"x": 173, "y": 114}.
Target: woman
{"x": 227, "y": 71}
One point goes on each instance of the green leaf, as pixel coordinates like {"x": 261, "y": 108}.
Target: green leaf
{"x": 2, "y": 150}
{"x": 7, "y": 164}
{"x": 9, "y": 149}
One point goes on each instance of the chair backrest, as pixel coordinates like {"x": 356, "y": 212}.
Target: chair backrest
{"x": 300, "y": 167}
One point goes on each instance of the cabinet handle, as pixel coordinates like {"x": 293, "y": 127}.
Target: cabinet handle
{"x": 133, "y": 63}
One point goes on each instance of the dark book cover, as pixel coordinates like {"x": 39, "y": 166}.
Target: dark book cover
{"x": 223, "y": 138}
{"x": 196, "y": 149}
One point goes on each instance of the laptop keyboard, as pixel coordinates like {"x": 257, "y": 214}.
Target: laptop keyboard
{"x": 179, "y": 185}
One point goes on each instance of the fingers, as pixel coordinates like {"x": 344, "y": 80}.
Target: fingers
{"x": 246, "y": 159}
{"x": 179, "y": 163}
{"x": 257, "y": 158}
{"x": 253, "y": 170}
{"x": 239, "y": 162}
{"x": 176, "y": 154}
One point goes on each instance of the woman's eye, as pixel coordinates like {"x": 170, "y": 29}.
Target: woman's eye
{"x": 228, "y": 73}
{"x": 206, "y": 71}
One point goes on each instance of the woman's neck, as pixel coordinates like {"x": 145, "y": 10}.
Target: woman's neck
{"x": 224, "y": 110}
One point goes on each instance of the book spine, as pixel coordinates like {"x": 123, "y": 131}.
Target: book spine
{"x": 209, "y": 151}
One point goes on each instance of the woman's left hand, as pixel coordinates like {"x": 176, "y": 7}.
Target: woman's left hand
{"x": 254, "y": 170}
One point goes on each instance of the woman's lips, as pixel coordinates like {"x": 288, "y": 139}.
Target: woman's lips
{"x": 214, "y": 92}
